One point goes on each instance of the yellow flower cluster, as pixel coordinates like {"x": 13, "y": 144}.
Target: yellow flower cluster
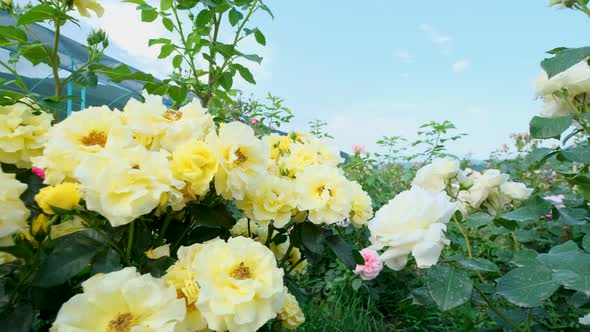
{"x": 301, "y": 174}
{"x": 121, "y": 301}
{"x": 234, "y": 285}
{"x": 126, "y": 164}
{"x": 22, "y": 134}
{"x": 14, "y": 213}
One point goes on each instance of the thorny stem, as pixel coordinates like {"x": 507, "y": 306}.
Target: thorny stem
{"x": 468, "y": 244}
{"x": 494, "y": 309}
{"x": 287, "y": 254}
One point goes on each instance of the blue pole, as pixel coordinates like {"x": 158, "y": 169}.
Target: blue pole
{"x": 70, "y": 88}
{"x": 83, "y": 98}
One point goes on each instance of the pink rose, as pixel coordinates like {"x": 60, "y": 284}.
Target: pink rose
{"x": 39, "y": 172}
{"x": 373, "y": 265}
{"x": 358, "y": 148}
{"x": 254, "y": 122}
{"x": 504, "y": 148}
{"x": 557, "y": 200}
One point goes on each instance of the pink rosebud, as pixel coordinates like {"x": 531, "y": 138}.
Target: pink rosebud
{"x": 358, "y": 148}
{"x": 39, "y": 172}
{"x": 504, "y": 148}
{"x": 552, "y": 176}
{"x": 373, "y": 265}
{"x": 254, "y": 122}
{"x": 557, "y": 200}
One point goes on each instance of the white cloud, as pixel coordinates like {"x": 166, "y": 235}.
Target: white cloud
{"x": 461, "y": 65}
{"x": 404, "y": 56}
{"x": 441, "y": 40}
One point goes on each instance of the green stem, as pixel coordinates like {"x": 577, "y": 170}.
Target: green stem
{"x": 494, "y": 309}
{"x": 287, "y": 254}
{"x": 467, "y": 243}
{"x": 130, "y": 241}
{"x": 295, "y": 265}
{"x": 190, "y": 57}
{"x": 249, "y": 232}
{"x": 269, "y": 234}
{"x": 54, "y": 58}
{"x": 160, "y": 239}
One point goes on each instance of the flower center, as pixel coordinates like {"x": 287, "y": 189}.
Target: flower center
{"x": 122, "y": 323}
{"x": 320, "y": 190}
{"x": 173, "y": 115}
{"x": 241, "y": 157}
{"x": 94, "y": 138}
{"x": 242, "y": 272}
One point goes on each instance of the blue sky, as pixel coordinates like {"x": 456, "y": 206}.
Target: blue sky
{"x": 382, "y": 67}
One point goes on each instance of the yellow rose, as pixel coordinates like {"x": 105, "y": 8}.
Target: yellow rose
{"x": 64, "y": 196}
{"x": 325, "y": 192}
{"x": 362, "y": 206}
{"x": 84, "y": 5}
{"x": 39, "y": 225}
{"x": 22, "y": 134}
{"x": 121, "y": 301}
{"x": 79, "y": 136}
{"x": 291, "y": 315}
{"x": 243, "y": 159}
{"x": 181, "y": 276}
{"x": 161, "y": 251}
{"x": 241, "y": 287}
{"x": 272, "y": 198}
{"x": 13, "y": 212}
{"x": 195, "y": 163}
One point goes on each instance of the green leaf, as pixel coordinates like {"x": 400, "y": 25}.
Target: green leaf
{"x": 177, "y": 61}
{"x": 311, "y": 236}
{"x": 586, "y": 243}
{"x": 572, "y": 217}
{"x": 449, "y": 287}
{"x": 579, "y": 154}
{"x": 149, "y": 15}
{"x": 527, "y": 286}
{"x": 549, "y": 127}
{"x": 226, "y": 80}
{"x": 70, "y": 255}
{"x": 203, "y": 18}
{"x": 479, "y": 264}
{"x": 121, "y": 73}
{"x": 157, "y": 267}
{"x": 13, "y": 33}
{"x": 252, "y": 57}
{"x": 18, "y": 318}
{"x": 37, "y": 14}
{"x": 159, "y": 41}
{"x": 533, "y": 209}
{"x": 540, "y": 155}
{"x": 168, "y": 24}
{"x": 244, "y": 72}
{"x": 35, "y": 53}
{"x": 165, "y": 51}
{"x": 260, "y": 37}
{"x": 565, "y": 247}
{"x": 524, "y": 257}
{"x": 341, "y": 249}
{"x": 186, "y": 4}
{"x": 214, "y": 217}
{"x": 106, "y": 261}
{"x": 156, "y": 88}
{"x": 570, "y": 268}
{"x": 165, "y": 4}
{"x": 234, "y": 16}
{"x": 358, "y": 258}
{"x": 177, "y": 93}
{"x": 564, "y": 60}
{"x": 477, "y": 220}
{"x": 85, "y": 78}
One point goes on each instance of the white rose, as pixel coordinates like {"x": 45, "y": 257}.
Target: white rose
{"x": 434, "y": 176}
{"x": 516, "y": 190}
{"x": 413, "y": 222}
